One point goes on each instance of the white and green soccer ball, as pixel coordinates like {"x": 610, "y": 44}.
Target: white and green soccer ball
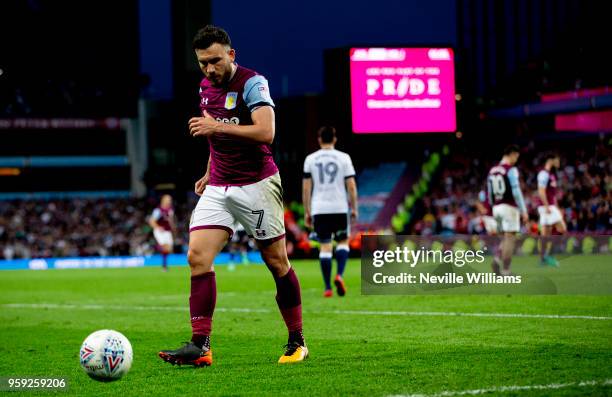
{"x": 106, "y": 355}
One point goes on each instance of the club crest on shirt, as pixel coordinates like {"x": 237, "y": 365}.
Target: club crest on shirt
{"x": 230, "y": 100}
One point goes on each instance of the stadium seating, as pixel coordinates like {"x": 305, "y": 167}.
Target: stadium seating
{"x": 375, "y": 185}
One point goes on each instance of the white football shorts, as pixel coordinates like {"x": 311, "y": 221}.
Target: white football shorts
{"x": 549, "y": 219}
{"x": 490, "y": 224}
{"x": 508, "y": 217}
{"x": 258, "y": 207}
{"x": 163, "y": 237}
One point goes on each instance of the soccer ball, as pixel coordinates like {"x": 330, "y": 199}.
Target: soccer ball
{"x": 106, "y": 355}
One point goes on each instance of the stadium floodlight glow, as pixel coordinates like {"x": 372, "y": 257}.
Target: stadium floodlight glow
{"x": 402, "y": 90}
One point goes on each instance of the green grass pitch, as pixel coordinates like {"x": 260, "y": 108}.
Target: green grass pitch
{"x": 360, "y": 345}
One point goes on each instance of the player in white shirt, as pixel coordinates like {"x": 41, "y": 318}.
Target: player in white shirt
{"x": 328, "y": 185}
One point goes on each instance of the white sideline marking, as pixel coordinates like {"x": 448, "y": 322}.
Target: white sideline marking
{"x": 343, "y": 312}
{"x": 462, "y": 314}
{"x": 504, "y": 389}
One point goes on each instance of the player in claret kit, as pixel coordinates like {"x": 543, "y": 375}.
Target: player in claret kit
{"x": 506, "y": 199}
{"x": 163, "y": 225}
{"x": 484, "y": 222}
{"x": 550, "y": 215}
{"x": 241, "y": 184}
{"x": 328, "y": 185}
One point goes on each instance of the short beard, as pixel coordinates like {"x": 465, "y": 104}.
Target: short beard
{"x": 224, "y": 79}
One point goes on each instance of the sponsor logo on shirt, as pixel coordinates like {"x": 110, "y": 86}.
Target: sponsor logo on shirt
{"x": 233, "y": 120}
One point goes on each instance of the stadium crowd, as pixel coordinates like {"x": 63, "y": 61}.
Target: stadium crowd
{"x": 455, "y": 204}
{"x": 100, "y": 227}
{"x": 80, "y": 227}
{"x": 458, "y": 200}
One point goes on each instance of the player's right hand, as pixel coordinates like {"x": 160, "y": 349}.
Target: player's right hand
{"x": 525, "y": 217}
{"x": 200, "y": 185}
{"x": 548, "y": 210}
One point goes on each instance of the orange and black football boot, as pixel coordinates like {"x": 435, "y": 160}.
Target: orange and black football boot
{"x": 189, "y": 354}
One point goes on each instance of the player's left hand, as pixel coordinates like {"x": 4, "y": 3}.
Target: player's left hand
{"x": 308, "y": 221}
{"x": 203, "y": 126}
{"x": 354, "y": 214}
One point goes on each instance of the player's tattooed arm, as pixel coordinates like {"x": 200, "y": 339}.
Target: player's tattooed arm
{"x": 204, "y": 126}
{"x": 262, "y": 130}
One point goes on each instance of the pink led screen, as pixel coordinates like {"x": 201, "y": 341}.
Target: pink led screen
{"x": 402, "y": 90}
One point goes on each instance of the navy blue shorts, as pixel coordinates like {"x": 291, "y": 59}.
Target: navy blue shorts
{"x": 331, "y": 226}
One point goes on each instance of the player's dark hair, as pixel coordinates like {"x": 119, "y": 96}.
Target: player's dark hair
{"x": 511, "y": 149}
{"x": 210, "y": 35}
{"x": 326, "y": 134}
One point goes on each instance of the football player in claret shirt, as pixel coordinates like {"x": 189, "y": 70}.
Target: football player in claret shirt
{"x": 163, "y": 225}
{"x": 241, "y": 184}
{"x": 508, "y": 205}
{"x": 550, "y": 215}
